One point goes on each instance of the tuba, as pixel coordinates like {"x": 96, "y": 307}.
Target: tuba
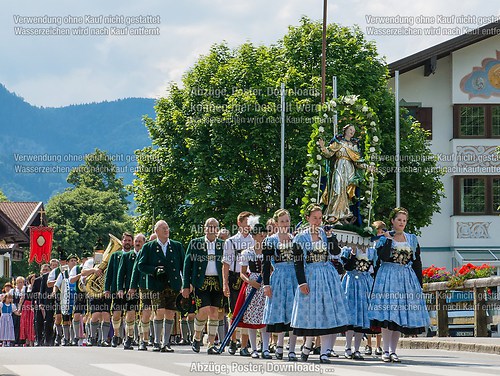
{"x": 94, "y": 285}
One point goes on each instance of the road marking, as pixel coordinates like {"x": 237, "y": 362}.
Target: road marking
{"x": 130, "y": 369}
{"x": 36, "y": 370}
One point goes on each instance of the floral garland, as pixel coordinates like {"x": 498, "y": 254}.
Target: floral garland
{"x": 353, "y": 110}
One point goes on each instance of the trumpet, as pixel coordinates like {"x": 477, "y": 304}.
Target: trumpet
{"x": 94, "y": 285}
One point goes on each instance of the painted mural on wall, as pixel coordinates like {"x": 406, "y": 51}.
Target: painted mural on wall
{"x": 483, "y": 81}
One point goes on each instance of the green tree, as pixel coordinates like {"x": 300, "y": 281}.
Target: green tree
{"x": 92, "y": 209}
{"x": 98, "y": 172}
{"x": 215, "y": 141}
{"x": 81, "y": 215}
{"x": 3, "y": 198}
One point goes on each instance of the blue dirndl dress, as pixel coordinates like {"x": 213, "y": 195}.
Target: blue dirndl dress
{"x": 283, "y": 282}
{"x": 324, "y": 310}
{"x": 357, "y": 284}
{"x": 397, "y": 300}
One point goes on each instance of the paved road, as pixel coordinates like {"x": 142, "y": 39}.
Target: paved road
{"x": 67, "y": 361}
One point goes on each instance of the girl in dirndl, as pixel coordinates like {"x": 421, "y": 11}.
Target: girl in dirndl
{"x": 397, "y": 303}
{"x": 280, "y": 286}
{"x": 357, "y": 284}
{"x": 320, "y": 307}
{"x": 7, "y": 307}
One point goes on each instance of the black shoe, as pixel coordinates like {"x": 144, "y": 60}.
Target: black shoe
{"x": 75, "y": 342}
{"x": 317, "y": 350}
{"x": 232, "y": 348}
{"x": 135, "y": 343}
{"x": 212, "y": 350}
{"x": 394, "y": 358}
{"x": 151, "y": 343}
{"x": 332, "y": 354}
{"x": 379, "y": 351}
{"x": 303, "y": 356}
{"x": 167, "y": 348}
{"x": 114, "y": 341}
{"x": 196, "y": 346}
{"x": 66, "y": 342}
{"x": 266, "y": 355}
{"x": 156, "y": 347}
{"x": 57, "y": 341}
{"x": 105, "y": 344}
{"x": 368, "y": 350}
{"x": 292, "y": 357}
{"x": 348, "y": 354}
{"x": 244, "y": 352}
{"x": 142, "y": 346}
{"x": 324, "y": 359}
{"x": 279, "y": 356}
{"x": 127, "y": 345}
{"x": 357, "y": 356}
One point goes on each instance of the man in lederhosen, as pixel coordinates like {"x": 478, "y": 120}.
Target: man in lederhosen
{"x": 203, "y": 272}
{"x": 231, "y": 273}
{"x": 161, "y": 261}
{"x": 110, "y": 287}
{"x": 124, "y": 279}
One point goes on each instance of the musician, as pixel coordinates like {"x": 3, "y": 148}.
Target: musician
{"x": 231, "y": 273}
{"x": 110, "y": 287}
{"x": 203, "y": 272}
{"x": 124, "y": 279}
{"x": 99, "y": 308}
{"x": 66, "y": 317}
{"x": 161, "y": 261}
{"x": 80, "y": 306}
{"x": 54, "y": 273}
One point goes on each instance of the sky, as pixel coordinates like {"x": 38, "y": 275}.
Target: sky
{"x": 59, "y": 70}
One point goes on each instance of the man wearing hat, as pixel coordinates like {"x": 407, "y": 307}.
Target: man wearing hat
{"x": 63, "y": 277}
{"x": 80, "y": 307}
{"x": 51, "y": 281}
{"x": 203, "y": 272}
{"x": 161, "y": 262}
{"x": 124, "y": 279}
{"x": 110, "y": 287}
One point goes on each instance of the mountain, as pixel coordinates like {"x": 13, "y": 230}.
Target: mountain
{"x": 40, "y": 145}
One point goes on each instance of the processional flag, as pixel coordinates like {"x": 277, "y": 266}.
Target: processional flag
{"x": 40, "y": 243}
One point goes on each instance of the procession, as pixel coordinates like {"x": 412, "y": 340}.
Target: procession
{"x": 237, "y": 293}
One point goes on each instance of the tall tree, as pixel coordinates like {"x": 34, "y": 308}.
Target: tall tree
{"x": 93, "y": 208}
{"x": 3, "y": 198}
{"x": 98, "y": 172}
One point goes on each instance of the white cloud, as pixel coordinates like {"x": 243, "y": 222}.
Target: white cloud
{"x": 56, "y": 71}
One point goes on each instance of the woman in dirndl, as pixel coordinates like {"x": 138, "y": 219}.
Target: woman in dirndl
{"x": 397, "y": 302}
{"x": 319, "y": 307}
{"x": 280, "y": 286}
{"x": 27, "y": 326}
{"x": 357, "y": 284}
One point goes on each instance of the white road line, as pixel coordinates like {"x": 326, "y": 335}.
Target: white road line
{"x": 36, "y": 370}
{"x": 130, "y": 369}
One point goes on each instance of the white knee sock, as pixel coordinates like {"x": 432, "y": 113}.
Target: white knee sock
{"x": 357, "y": 340}
{"x": 386, "y": 339}
{"x": 292, "y": 341}
{"x": 265, "y": 335}
{"x": 348, "y": 339}
{"x": 326, "y": 343}
{"x": 394, "y": 341}
{"x": 252, "y": 335}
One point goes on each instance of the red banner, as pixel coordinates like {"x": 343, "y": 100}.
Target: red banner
{"x": 40, "y": 244}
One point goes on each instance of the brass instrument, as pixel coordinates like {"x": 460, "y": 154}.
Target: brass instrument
{"x": 94, "y": 285}
{"x": 65, "y": 295}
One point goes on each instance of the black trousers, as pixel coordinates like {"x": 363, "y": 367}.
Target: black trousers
{"x": 39, "y": 326}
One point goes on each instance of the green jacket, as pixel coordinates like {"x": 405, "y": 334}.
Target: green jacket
{"x": 112, "y": 271}
{"x": 125, "y": 270}
{"x": 151, "y": 256}
{"x": 196, "y": 261}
